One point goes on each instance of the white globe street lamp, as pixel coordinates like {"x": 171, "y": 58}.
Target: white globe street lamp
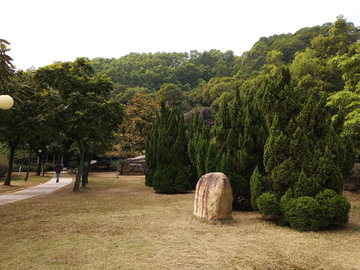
{"x": 6, "y": 102}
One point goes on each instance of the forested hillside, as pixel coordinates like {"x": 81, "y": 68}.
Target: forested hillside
{"x": 200, "y": 79}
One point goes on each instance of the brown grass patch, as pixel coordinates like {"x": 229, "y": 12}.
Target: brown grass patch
{"x": 122, "y": 224}
{"x": 17, "y": 182}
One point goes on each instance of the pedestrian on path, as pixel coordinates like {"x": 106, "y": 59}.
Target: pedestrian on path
{"x": 58, "y": 169}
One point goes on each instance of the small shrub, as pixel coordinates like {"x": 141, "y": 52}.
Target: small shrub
{"x": 335, "y": 206}
{"x": 3, "y": 166}
{"x": 305, "y": 214}
{"x": 268, "y": 204}
{"x": 49, "y": 167}
{"x": 114, "y": 164}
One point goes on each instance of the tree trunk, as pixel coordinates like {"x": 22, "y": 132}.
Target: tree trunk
{"x": 80, "y": 168}
{"x": 11, "y": 161}
{"x": 28, "y": 167}
{"x": 43, "y": 168}
{"x": 87, "y": 158}
{"x": 39, "y": 164}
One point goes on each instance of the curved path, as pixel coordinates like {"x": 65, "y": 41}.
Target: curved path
{"x": 47, "y": 187}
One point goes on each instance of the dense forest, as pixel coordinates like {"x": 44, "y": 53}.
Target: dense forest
{"x": 201, "y": 79}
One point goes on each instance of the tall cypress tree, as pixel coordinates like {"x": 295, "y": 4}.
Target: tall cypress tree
{"x": 303, "y": 158}
{"x": 150, "y": 157}
{"x": 167, "y": 154}
{"x": 240, "y": 134}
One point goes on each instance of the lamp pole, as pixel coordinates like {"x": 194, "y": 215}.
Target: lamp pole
{"x": 6, "y": 102}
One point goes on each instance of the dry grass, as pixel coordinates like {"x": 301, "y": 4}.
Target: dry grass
{"x": 17, "y": 182}
{"x": 122, "y": 224}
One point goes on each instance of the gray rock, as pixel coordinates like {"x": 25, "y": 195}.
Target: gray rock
{"x": 133, "y": 166}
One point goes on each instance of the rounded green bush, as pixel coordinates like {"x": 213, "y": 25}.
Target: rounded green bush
{"x": 335, "y": 206}
{"x": 268, "y": 204}
{"x": 305, "y": 214}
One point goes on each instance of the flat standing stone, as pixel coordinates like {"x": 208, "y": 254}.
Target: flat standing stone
{"x": 213, "y": 197}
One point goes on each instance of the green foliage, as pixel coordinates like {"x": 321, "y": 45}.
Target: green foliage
{"x": 154, "y": 70}
{"x": 258, "y": 185}
{"x": 139, "y": 117}
{"x": 306, "y": 186}
{"x": 49, "y": 167}
{"x": 199, "y": 144}
{"x": 150, "y": 156}
{"x": 240, "y": 134}
{"x": 4, "y": 164}
{"x": 114, "y": 164}
{"x": 6, "y": 67}
{"x": 305, "y": 214}
{"x": 335, "y": 206}
{"x": 303, "y": 155}
{"x": 170, "y": 179}
{"x": 73, "y": 164}
{"x": 171, "y": 93}
{"x": 32, "y": 168}
{"x": 166, "y": 153}
{"x": 77, "y": 99}
{"x": 268, "y": 204}
{"x": 210, "y": 160}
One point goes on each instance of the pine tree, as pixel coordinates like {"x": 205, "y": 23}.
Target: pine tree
{"x": 210, "y": 161}
{"x": 167, "y": 153}
{"x": 150, "y": 157}
{"x": 303, "y": 157}
{"x": 240, "y": 134}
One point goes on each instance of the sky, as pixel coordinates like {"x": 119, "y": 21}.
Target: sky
{"x": 44, "y": 31}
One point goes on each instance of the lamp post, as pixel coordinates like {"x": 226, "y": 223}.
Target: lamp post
{"x": 6, "y": 102}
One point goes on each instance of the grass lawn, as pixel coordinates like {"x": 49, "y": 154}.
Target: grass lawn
{"x": 122, "y": 224}
{"x": 17, "y": 182}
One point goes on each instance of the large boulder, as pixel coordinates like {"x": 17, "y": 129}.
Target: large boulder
{"x": 352, "y": 183}
{"x": 134, "y": 166}
{"x": 213, "y": 197}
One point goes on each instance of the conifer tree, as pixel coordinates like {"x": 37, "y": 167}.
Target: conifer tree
{"x": 210, "y": 161}
{"x": 150, "y": 157}
{"x": 166, "y": 153}
{"x": 303, "y": 158}
{"x": 240, "y": 133}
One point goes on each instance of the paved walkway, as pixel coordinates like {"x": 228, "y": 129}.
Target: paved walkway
{"x": 47, "y": 187}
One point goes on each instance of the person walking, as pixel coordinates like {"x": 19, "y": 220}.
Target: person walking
{"x": 58, "y": 169}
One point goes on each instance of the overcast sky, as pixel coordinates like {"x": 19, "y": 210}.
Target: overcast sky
{"x": 44, "y": 31}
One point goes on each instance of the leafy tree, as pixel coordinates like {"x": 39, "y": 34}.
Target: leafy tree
{"x": 312, "y": 69}
{"x": 17, "y": 123}
{"x": 130, "y": 92}
{"x": 171, "y": 93}
{"x": 347, "y": 101}
{"x": 6, "y": 67}
{"x": 139, "y": 118}
{"x": 78, "y": 104}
